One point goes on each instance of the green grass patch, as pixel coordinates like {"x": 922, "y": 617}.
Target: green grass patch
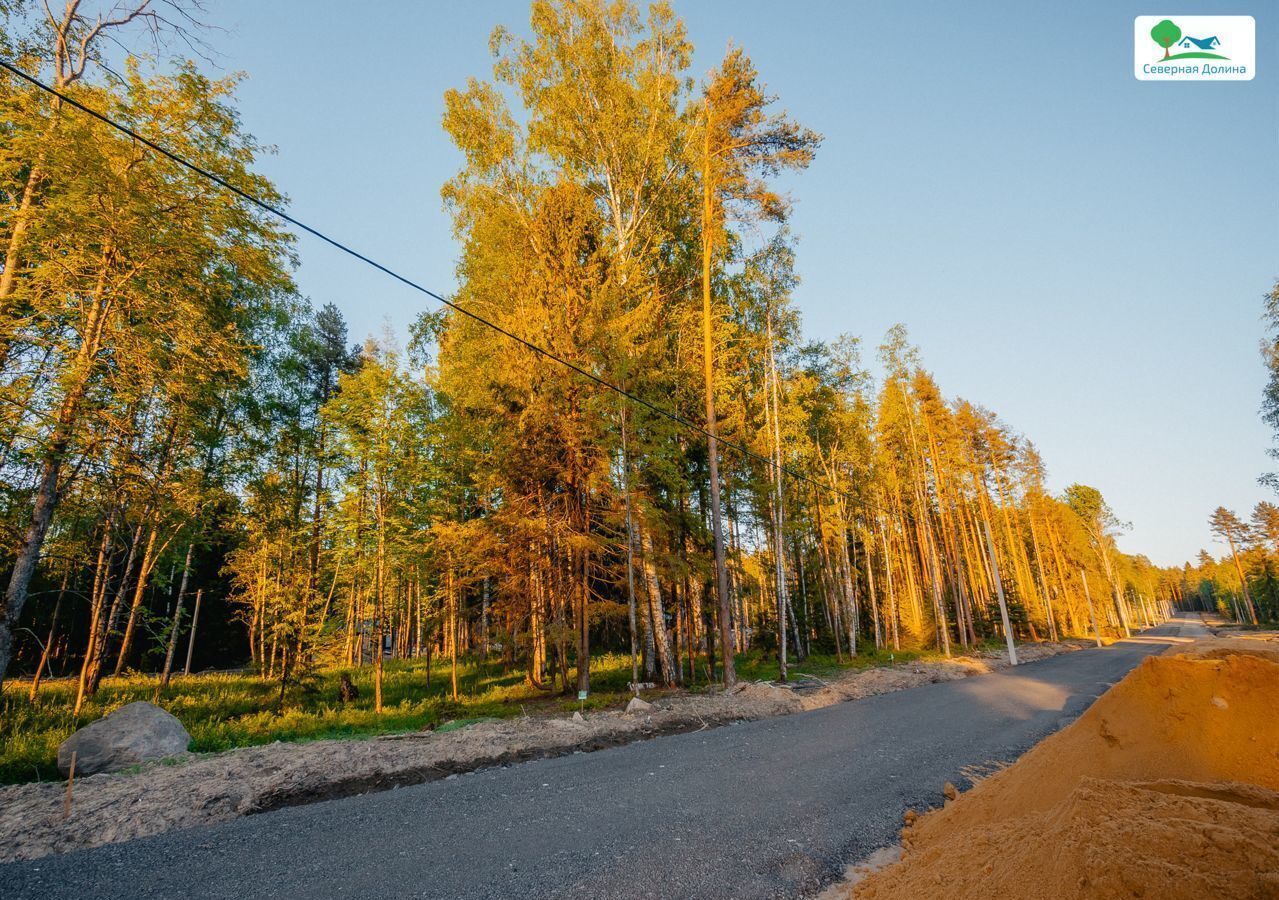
{"x": 222, "y": 711}
{"x": 758, "y": 665}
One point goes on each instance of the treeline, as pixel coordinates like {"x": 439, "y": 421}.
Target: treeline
{"x": 1243, "y": 584}
{"x": 178, "y": 423}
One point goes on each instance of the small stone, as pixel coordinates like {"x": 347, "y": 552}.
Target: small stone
{"x": 637, "y": 706}
{"x": 910, "y": 816}
{"x": 949, "y": 792}
{"x": 577, "y": 717}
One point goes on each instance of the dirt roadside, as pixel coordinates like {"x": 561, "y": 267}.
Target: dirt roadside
{"x": 203, "y": 789}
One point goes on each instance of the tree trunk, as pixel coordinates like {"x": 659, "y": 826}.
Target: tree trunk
{"x": 892, "y": 597}
{"x": 1247, "y": 595}
{"x": 708, "y": 371}
{"x": 48, "y": 644}
{"x": 46, "y": 499}
{"x": 148, "y": 563}
{"x": 177, "y": 620}
{"x": 656, "y": 615}
{"x": 451, "y": 588}
{"x": 779, "y": 548}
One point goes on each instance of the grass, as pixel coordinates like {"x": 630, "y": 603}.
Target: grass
{"x": 758, "y": 665}
{"x": 222, "y": 711}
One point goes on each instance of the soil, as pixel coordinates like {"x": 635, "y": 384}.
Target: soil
{"x": 1168, "y": 787}
{"x": 202, "y": 789}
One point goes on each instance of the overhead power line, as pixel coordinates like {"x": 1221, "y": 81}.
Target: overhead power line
{"x": 409, "y": 282}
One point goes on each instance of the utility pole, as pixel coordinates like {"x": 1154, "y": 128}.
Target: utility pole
{"x": 999, "y": 591}
{"x": 630, "y": 560}
{"x": 1091, "y": 614}
{"x": 1120, "y": 609}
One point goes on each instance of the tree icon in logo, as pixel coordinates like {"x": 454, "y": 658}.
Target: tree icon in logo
{"x": 1165, "y": 34}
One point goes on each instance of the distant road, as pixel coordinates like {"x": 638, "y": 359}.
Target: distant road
{"x": 774, "y": 808}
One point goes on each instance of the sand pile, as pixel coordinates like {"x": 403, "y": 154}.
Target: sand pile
{"x": 1264, "y": 644}
{"x": 1106, "y": 839}
{"x": 1165, "y": 787}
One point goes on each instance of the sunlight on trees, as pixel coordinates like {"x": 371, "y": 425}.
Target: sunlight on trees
{"x": 177, "y": 422}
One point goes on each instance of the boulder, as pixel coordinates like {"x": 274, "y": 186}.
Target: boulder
{"x": 131, "y": 735}
{"x": 637, "y": 706}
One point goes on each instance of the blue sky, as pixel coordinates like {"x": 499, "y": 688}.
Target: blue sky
{"x": 1081, "y": 252}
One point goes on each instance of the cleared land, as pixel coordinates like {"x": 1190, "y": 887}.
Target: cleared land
{"x": 200, "y": 789}
{"x": 792, "y": 797}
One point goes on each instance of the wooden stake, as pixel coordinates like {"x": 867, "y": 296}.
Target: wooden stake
{"x": 999, "y": 590}
{"x": 66, "y": 801}
{"x": 195, "y": 620}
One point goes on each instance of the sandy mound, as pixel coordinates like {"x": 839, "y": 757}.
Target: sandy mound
{"x": 1264, "y": 644}
{"x": 1082, "y": 816}
{"x": 1107, "y": 839}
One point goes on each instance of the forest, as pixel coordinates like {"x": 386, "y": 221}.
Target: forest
{"x": 1243, "y": 584}
{"x": 615, "y": 443}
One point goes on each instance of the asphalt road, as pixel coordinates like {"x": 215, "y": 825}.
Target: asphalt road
{"x": 775, "y": 808}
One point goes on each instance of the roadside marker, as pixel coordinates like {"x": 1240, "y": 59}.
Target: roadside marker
{"x": 999, "y": 589}
{"x": 1092, "y": 615}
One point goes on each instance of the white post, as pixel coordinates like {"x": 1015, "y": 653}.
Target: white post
{"x": 999, "y": 590}
{"x": 1092, "y": 615}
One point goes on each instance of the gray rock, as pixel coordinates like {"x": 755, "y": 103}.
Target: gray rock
{"x": 577, "y": 717}
{"x": 638, "y": 706}
{"x": 131, "y": 735}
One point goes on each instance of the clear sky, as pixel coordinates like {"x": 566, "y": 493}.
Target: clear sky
{"x": 1081, "y": 252}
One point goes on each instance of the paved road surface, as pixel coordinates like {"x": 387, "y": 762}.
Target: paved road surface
{"x": 762, "y": 809}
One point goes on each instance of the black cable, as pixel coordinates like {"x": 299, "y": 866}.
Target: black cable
{"x": 333, "y": 242}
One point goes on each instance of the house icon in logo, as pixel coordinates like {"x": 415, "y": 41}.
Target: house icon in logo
{"x": 1190, "y": 43}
